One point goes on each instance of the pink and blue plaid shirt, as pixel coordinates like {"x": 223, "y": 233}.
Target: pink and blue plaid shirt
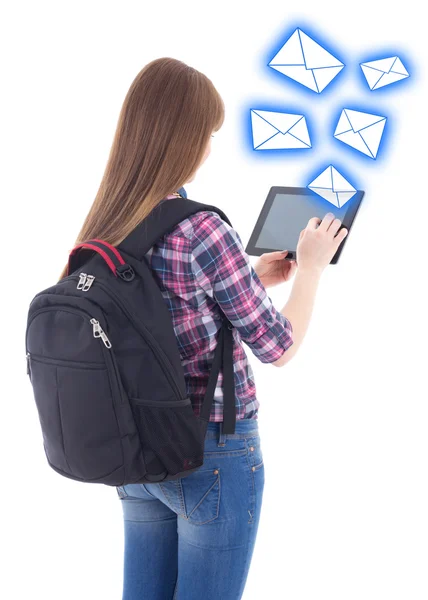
{"x": 204, "y": 271}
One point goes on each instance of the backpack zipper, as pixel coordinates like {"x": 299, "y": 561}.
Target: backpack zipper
{"x": 143, "y": 331}
{"x": 97, "y": 333}
{"x": 85, "y": 282}
{"x": 82, "y": 279}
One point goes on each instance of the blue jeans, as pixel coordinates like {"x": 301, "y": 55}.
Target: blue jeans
{"x": 193, "y": 538}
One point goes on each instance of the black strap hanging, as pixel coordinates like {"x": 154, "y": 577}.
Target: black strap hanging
{"x": 223, "y": 358}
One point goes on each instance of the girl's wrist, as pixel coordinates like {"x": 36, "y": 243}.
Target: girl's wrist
{"x": 310, "y": 271}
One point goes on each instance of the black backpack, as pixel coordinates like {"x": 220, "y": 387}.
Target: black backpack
{"x": 105, "y": 367}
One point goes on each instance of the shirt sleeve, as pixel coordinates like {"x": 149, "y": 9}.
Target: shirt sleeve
{"x": 222, "y": 268}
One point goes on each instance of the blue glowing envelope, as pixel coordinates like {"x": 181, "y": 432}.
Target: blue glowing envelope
{"x": 360, "y": 130}
{"x": 301, "y": 58}
{"x": 277, "y": 130}
{"x": 332, "y": 186}
{"x": 379, "y": 73}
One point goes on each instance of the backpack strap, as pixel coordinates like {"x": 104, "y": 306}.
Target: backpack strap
{"x": 223, "y": 358}
{"x": 160, "y": 221}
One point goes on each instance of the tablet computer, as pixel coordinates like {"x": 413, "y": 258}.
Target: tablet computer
{"x": 286, "y": 212}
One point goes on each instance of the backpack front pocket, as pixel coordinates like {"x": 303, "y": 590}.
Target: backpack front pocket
{"x": 77, "y": 390}
{"x": 76, "y": 412}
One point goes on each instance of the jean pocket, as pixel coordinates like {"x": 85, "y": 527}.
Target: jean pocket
{"x": 201, "y": 496}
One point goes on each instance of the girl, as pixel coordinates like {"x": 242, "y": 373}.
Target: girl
{"x": 193, "y": 537}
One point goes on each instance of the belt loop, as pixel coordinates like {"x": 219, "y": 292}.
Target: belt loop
{"x": 221, "y": 436}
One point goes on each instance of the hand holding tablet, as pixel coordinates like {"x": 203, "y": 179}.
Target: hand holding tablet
{"x": 287, "y": 211}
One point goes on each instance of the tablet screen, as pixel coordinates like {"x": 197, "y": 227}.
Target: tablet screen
{"x": 298, "y": 209}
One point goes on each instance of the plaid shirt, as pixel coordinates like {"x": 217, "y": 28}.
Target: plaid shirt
{"x": 204, "y": 271}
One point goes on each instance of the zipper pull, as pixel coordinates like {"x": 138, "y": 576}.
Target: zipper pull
{"x": 88, "y": 283}
{"x": 82, "y": 280}
{"x": 98, "y": 332}
{"x": 28, "y": 364}
{"x": 105, "y": 339}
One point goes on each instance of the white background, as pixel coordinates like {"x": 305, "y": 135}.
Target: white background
{"x": 344, "y": 424}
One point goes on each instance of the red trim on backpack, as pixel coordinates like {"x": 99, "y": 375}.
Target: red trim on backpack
{"x": 101, "y": 252}
{"x": 112, "y": 248}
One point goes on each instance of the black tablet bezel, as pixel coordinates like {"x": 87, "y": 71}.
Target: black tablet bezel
{"x": 347, "y": 222}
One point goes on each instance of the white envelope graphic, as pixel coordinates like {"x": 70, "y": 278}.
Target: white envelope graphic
{"x": 277, "y": 130}
{"x": 379, "y": 73}
{"x": 360, "y": 130}
{"x": 301, "y": 58}
{"x": 332, "y": 186}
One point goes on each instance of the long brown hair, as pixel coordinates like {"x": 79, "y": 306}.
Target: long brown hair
{"x": 164, "y": 126}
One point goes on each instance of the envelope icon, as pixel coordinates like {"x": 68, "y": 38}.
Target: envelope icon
{"x": 379, "y": 73}
{"x": 277, "y": 130}
{"x": 360, "y": 130}
{"x": 301, "y": 58}
{"x": 332, "y": 186}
